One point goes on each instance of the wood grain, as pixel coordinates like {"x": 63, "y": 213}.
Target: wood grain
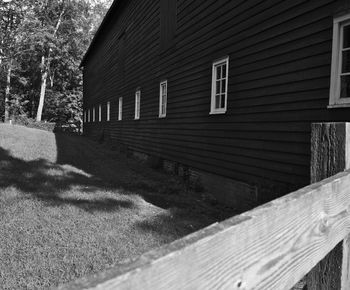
{"x": 345, "y": 274}
{"x": 271, "y": 247}
{"x": 329, "y": 154}
{"x": 345, "y": 277}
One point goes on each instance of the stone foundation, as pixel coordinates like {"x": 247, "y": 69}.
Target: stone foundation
{"x": 227, "y": 191}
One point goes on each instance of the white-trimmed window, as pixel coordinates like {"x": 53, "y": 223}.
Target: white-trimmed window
{"x": 137, "y": 104}
{"x": 108, "y": 118}
{"x": 84, "y": 116}
{"x": 93, "y": 114}
{"x": 163, "y": 95}
{"x": 340, "y": 74}
{"x": 120, "y": 111}
{"x": 89, "y": 116}
{"x": 219, "y": 86}
{"x": 99, "y": 113}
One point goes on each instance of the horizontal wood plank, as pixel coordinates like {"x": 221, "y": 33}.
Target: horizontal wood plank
{"x": 271, "y": 247}
{"x": 280, "y": 55}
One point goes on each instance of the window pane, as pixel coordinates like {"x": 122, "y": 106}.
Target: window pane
{"x": 224, "y": 71}
{"x": 163, "y": 107}
{"x": 222, "y": 101}
{"x": 345, "y": 87}
{"x": 346, "y": 36}
{"x": 223, "y": 86}
{"x": 163, "y": 89}
{"x": 346, "y": 62}
{"x": 217, "y": 101}
{"x": 218, "y": 72}
{"x": 217, "y": 91}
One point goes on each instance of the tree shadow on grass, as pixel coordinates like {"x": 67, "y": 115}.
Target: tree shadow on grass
{"x": 91, "y": 177}
{"x": 116, "y": 171}
{"x": 162, "y": 190}
{"x": 49, "y": 182}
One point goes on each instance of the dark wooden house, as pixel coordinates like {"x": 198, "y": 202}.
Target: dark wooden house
{"x": 222, "y": 91}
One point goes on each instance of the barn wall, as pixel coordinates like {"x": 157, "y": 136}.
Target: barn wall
{"x": 279, "y": 76}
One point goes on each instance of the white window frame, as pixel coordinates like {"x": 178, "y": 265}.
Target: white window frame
{"x": 337, "y": 55}
{"x": 137, "y": 104}
{"x": 89, "y": 116}
{"x": 108, "y": 117}
{"x": 93, "y": 114}
{"x": 120, "y": 109}
{"x": 163, "y": 101}
{"x": 85, "y": 118}
{"x": 99, "y": 113}
{"x": 221, "y": 62}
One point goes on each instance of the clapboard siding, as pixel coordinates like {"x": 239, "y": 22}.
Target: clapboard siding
{"x": 279, "y": 76}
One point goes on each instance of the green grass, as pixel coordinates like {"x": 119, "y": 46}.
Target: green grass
{"x": 70, "y": 207}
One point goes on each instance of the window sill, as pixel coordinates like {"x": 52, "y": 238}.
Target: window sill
{"x": 162, "y": 117}
{"x": 217, "y": 112}
{"x": 338, "y": 106}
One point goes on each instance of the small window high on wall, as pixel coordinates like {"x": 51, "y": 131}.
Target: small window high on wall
{"x": 137, "y": 104}
{"x": 219, "y": 86}
{"x": 93, "y": 114}
{"x": 108, "y": 111}
{"x": 120, "y": 111}
{"x": 99, "y": 113}
{"x": 340, "y": 73}
{"x": 168, "y": 23}
{"x": 163, "y": 96}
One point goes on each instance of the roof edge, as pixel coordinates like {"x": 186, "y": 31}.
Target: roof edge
{"x": 98, "y": 32}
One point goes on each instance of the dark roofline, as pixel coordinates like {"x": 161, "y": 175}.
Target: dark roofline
{"x": 99, "y": 30}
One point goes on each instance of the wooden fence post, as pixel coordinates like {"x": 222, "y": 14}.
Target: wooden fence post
{"x": 330, "y": 154}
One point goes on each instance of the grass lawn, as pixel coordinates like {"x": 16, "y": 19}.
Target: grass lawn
{"x": 69, "y": 207}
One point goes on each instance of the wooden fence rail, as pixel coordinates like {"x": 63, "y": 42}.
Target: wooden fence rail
{"x": 270, "y": 247}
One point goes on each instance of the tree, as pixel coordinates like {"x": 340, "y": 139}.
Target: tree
{"x": 50, "y": 9}
{"x": 12, "y": 14}
{"x": 42, "y": 44}
{"x": 63, "y": 48}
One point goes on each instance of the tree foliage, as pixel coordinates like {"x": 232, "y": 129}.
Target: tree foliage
{"x": 39, "y": 37}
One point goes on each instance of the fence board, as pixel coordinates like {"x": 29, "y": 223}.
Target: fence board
{"x": 271, "y": 247}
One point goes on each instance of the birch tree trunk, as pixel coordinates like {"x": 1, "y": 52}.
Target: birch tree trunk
{"x": 7, "y": 90}
{"x": 42, "y": 90}
{"x": 45, "y": 64}
{"x": 1, "y": 53}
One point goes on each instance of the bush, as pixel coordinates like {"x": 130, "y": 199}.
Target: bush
{"x": 32, "y": 123}
{"x": 50, "y": 127}
{"x": 62, "y": 127}
{"x": 68, "y": 127}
